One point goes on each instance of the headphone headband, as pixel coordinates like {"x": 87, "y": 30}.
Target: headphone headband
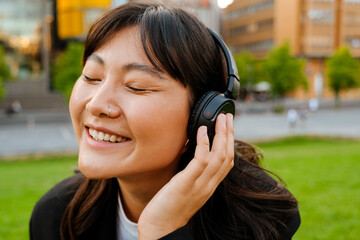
{"x": 213, "y": 103}
{"x": 233, "y": 87}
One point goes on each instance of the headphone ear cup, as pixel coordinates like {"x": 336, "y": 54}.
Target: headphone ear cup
{"x": 205, "y": 112}
{"x": 197, "y": 110}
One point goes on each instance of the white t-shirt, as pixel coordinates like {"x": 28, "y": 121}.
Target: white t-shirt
{"x": 125, "y": 229}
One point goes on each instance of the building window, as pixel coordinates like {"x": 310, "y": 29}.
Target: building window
{"x": 352, "y": 1}
{"x": 320, "y": 16}
{"x": 265, "y": 24}
{"x": 251, "y": 9}
{"x": 353, "y": 41}
{"x": 238, "y": 30}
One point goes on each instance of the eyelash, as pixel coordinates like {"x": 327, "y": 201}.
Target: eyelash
{"x": 138, "y": 90}
{"x": 91, "y": 79}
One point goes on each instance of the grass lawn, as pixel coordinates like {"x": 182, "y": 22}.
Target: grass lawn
{"x": 324, "y": 176}
{"x": 322, "y": 173}
{"x": 22, "y": 183}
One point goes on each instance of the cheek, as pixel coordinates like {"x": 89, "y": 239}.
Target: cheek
{"x": 160, "y": 115}
{"x": 160, "y": 129}
{"x": 78, "y": 99}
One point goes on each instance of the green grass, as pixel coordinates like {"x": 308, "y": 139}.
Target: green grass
{"x": 323, "y": 174}
{"x": 22, "y": 183}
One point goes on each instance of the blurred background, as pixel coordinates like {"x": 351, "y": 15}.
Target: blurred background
{"x": 298, "y": 63}
{"x": 291, "y": 55}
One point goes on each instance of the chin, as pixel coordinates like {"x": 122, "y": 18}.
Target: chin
{"x": 90, "y": 170}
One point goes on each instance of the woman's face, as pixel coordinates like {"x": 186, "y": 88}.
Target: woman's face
{"x": 146, "y": 130}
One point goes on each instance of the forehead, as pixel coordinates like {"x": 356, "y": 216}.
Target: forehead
{"x": 124, "y": 44}
{"x": 124, "y": 51}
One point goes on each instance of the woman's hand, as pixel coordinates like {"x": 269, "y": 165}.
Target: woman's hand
{"x": 174, "y": 205}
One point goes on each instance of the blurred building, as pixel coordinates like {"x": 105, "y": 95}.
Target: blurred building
{"x": 20, "y": 32}
{"x": 314, "y": 29}
{"x": 206, "y": 10}
{"x": 73, "y": 18}
{"x": 33, "y": 32}
{"x": 24, "y": 34}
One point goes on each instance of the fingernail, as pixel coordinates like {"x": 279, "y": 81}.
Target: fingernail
{"x": 223, "y": 116}
{"x": 230, "y": 122}
{"x": 230, "y": 116}
{"x": 202, "y": 131}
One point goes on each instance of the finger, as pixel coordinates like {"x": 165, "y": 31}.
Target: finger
{"x": 197, "y": 165}
{"x": 230, "y": 136}
{"x": 219, "y": 142}
{"x": 202, "y": 143}
{"x": 218, "y": 152}
{"x": 229, "y": 159}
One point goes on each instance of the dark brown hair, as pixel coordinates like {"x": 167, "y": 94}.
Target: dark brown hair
{"x": 248, "y": 203}
{"x": 173, "y": 40}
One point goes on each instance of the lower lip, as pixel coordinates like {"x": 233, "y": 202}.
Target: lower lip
{"x": 100, "y": 145}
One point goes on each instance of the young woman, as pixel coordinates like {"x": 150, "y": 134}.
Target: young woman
{"x": 142, "y": 176}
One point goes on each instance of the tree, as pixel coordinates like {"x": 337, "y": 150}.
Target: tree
{"x": 342, "y": 71}
{"x": 249, "y": 70}
{"x": 68, "y": 68}
{"x": 284, "y": 72}
{"x": 4, "y": 73}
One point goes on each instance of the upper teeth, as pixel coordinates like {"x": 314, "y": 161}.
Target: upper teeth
{"x": 106, "y": 137}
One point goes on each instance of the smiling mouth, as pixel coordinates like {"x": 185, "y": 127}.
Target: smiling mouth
{"x": 106, "y": 137}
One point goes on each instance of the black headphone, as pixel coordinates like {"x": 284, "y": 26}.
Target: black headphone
{"x": 212, "y": 103}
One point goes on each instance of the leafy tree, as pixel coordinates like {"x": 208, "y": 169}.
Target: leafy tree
{"x": 342, "y": 71}
{"x": 284, "y": 72}
{"x": 249, "y": 69}
{"x": 250, "y": 72}
{"x": 4, "y": 73}
{"x": 68, "y": 68}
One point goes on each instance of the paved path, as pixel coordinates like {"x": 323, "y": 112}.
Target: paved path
{"x": 341, "y": 123}
{"x": 32, "y": 133}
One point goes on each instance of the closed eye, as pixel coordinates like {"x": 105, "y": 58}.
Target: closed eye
{"x": 92, "y": 80}
{"x": 139, "y": 90}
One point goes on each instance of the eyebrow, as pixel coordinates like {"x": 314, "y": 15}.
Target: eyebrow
{"x": 132, "y": 67}
{"x": 96, "y": 58}
{"x": 144, "y": 68}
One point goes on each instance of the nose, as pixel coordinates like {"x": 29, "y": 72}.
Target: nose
{"x": 104, "y": 102}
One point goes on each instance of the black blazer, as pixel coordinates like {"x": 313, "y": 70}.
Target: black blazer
{"x": 47, "y": 214}
{"x": 48, "y": 211}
